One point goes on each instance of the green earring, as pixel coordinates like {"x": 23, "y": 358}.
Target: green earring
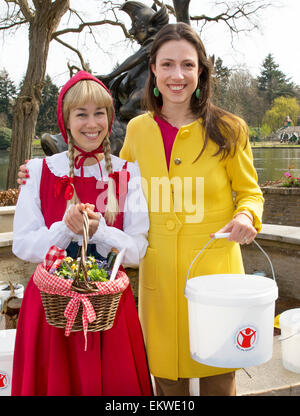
{"x": 197, "y": 93}
{"x": 155, "y": 92}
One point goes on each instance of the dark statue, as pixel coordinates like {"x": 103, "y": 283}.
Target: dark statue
{"x": 127, "y": 81}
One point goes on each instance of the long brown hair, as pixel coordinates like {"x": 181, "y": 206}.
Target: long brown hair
{"x": 220, "y": 126}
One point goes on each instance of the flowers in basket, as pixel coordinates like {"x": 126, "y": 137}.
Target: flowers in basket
{"x": 68, "y": 269}
{"x": 96, "y": 270}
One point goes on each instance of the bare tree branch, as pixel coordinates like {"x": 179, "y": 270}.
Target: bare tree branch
{"x": 72, "y": 68}
{"x": 97, "y": 23}
{"x": 25, "y": 9}
{"x": 232, "y": 14}
{"x": 14, "y": 24}
{"x": 80, "y": 29}
{"x": 14, "y": 17}
{"x": 42, "y": 21}
{"x": 83, "y": 64}
{"x": 73, "y": 11}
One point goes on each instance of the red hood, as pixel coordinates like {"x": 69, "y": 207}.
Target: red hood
{"x": 81, "y": 75}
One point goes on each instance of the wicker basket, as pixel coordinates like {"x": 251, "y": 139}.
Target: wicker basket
{"x": 104, "y": 305}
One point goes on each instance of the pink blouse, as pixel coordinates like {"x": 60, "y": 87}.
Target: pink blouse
{"x": 168, "y": 133}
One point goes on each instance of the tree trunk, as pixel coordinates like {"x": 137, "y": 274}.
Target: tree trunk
{"x": 25, "y": 112}
{"x": 11, "y": 311}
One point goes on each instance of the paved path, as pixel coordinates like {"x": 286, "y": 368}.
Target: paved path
{"x": 269, "y": 379}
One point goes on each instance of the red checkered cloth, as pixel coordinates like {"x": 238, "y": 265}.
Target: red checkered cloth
{"x": 54, "y": 257}
{"x": 57, "y": 285}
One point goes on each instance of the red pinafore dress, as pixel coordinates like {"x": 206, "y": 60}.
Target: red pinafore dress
{"x": 47, "y": 363}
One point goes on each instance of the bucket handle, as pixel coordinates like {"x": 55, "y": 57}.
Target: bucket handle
{"x": 225, "y": 235}
{"x": 289, "y": 336}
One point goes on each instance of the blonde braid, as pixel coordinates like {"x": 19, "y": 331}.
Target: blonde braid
{"x": 112, "y": 206}
{"x": 71, "y": 156}
{"x": 74, "y": 199}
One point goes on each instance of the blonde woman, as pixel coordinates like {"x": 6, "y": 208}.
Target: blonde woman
{"x": 49, "y": 212}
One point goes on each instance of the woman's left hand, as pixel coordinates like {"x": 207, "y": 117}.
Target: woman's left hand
{"x": 240, "y": 228}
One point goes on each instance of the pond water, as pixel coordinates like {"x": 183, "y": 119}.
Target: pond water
{"x": 270, "y": 163}
{"x": 4, "y": 157}
{"x": 4, "y": 161}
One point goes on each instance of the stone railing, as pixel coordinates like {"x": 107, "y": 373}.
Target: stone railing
{"x": 281, "y": 205}
{"x": 282, "y": 244}
{"x": 6, "y": 218}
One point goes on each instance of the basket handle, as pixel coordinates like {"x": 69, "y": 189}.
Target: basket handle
{"x": 82, "y": 264}
{"x": 225, "y": 235}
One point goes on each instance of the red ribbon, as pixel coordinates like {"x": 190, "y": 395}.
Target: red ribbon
{"x": 88, "y": 314}
{"x": 120, "y": 179}
{"x": 64, "y": 184}
{"x": 82, "y": 156}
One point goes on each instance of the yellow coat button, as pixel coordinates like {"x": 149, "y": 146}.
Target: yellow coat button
{"x": 177, "y": 161}
{"x": 170, "y": 225}
{"x": 184, "y": 134}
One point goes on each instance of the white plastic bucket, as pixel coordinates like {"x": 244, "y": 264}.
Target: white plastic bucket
{"x": 5, "y": 293}
{"x": 231, "y": 318}
{"x": 7, "y": 344}
{"x": 289, "y": 322}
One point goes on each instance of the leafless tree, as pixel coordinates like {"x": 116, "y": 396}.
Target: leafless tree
{"x": 238, "y": 15}
{"x": 42, "y": 18}
{"x": 242, "y": 98}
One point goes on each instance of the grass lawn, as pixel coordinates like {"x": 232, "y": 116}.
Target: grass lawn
{"x": 274, "y": 144}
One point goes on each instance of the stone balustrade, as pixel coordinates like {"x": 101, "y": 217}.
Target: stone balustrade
{"x": 6, "y": 218}
{"x": 282, "y": 244}
{"x": 282, "y": 205}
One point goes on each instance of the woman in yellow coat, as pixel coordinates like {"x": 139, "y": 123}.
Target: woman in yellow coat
{"x": 197, "y": 170}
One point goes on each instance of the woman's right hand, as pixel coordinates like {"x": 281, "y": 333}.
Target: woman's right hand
{"x": 74, "y": 218}
{"x": 22, "y": 174}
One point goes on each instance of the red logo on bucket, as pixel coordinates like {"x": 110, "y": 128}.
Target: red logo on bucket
{"x": 246, "y": 338}
{"x": 3, "y": 380}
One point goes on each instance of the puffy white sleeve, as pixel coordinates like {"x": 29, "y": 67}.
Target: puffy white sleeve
{"x": 135, "y": 224}
{"x": 31, "y": 237}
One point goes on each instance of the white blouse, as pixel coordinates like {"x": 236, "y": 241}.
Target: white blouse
{"x": 32, "y": 239}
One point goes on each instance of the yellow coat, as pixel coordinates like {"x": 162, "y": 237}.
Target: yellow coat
{"x": 176, "y": 234}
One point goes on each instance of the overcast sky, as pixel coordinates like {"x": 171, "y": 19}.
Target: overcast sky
{"x": 279, "y": 34}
